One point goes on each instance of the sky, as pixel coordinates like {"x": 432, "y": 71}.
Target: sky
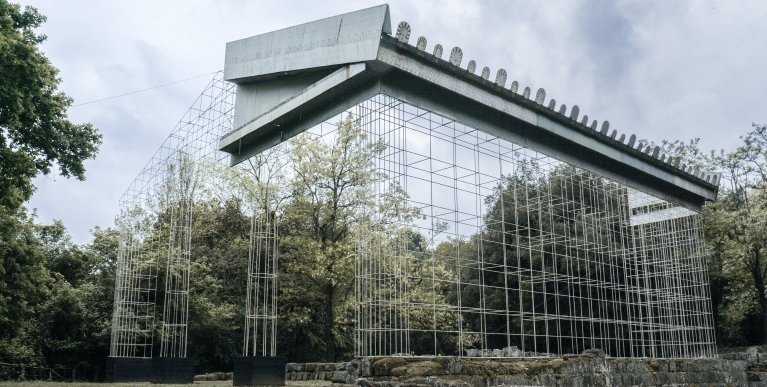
{"x": 673, "y": 70}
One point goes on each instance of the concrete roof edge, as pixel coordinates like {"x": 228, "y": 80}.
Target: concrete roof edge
{"x": 549, "y": 113}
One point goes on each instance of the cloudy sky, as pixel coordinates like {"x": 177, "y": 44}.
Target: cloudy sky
{"x": 660, "y": 69}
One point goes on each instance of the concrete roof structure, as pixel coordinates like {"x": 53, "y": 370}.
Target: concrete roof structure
{"x": 295, "y": 78}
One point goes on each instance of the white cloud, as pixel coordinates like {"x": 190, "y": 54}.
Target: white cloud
{"x": 662, "y": 70}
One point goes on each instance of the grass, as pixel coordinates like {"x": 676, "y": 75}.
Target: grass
{"x": 290, "y": 383}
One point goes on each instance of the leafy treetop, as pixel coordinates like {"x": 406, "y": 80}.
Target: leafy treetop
{"x": 35, "y": 131}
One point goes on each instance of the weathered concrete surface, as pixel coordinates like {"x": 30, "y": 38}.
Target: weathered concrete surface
{"x": 730, "y": 370}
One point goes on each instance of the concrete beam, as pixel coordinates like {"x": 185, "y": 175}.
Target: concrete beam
{"x": 334, "y": 41}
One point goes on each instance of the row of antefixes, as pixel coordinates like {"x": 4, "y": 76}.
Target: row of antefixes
{"x": 456, "y": 57}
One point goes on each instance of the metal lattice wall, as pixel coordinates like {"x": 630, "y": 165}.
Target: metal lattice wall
{"x": 518, "y": 254}
{"x": 498, "y": 251}
{"x": 261, "y": 300}
{"x": 155, "y": 224}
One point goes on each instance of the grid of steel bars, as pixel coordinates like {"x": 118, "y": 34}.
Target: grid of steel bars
{"x": 513, "y": 252}
{"x": 261, "y": 303}
{"x": 155, "y": 225}
{"x": 519, "y": 254}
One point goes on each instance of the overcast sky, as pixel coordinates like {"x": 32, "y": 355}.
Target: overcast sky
{"x": 661, "y": 69}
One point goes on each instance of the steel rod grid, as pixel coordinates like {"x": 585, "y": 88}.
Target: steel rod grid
{"x": 156, "y": 223}
{"x": 524, "y": 255}
{"x": 513, "y": 253}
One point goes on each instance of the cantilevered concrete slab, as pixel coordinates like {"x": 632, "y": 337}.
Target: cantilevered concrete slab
{"x": 292, "y": 79}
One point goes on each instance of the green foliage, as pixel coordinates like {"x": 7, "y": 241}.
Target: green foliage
{"x": 218, "y": 283}
{"x": 24, "y": 283}
{"x": 59, "y": 312}
{"x": 72, "y": 326}
{"x": 330, "y": 189}
{"x": 61, "y": 254}
{"x": 735, "y": 227}
{"x": 39, "y": 267}
{"x": 34, "y": 130}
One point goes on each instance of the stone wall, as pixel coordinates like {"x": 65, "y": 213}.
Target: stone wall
{"x": 590, "y": 369}
{"x": 322, "y": 371}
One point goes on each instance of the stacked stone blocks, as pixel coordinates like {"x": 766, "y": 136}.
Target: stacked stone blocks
{"x": 589, "y": 369}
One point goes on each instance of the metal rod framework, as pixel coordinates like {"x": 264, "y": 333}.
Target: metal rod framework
{"x": 156, "y": 222}
{"x": 496, "y": 250}
{"x": 261, "y": 302}
{"x": 519, "y": 254}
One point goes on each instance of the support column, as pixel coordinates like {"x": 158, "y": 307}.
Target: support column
{"x": 173, "y": 370}
{"x": 128, "y": 369}
{"x": 259, "y": 371}
{"x": 260, "y": 365}
{"x": 173, "y": 366}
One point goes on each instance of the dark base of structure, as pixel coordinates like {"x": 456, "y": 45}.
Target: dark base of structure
{"x": 259, "y": 371}
{"x": 173, "y": 370}
{"x": 128, "y": 369}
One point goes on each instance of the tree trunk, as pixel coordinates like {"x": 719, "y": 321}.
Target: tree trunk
{"x": 763, "y": 304}
{"x": 761, "y": 290}
{"x": 330, "y": 341}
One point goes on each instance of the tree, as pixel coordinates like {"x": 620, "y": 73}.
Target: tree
{"x": 736, "y": 235}
{"x": 72, "y": 326}
{"x": 23, "y": 284}
{"x": 737, "y": 225}
{"x": 218, "y": 282}
{"x": 330, "y": 190}
{"x": 734, "y": 238}
{"x": 35, "y": 134}
{"x": 62, "y": 255}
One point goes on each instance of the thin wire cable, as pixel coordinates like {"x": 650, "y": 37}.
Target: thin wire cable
{"x": 143, "y": 90}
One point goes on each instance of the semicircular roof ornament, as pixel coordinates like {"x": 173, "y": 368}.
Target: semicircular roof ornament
{"x": 632, "y": 140}
{"x": 472, "y": 67}
{"x": 552, "y": 104}
{"x": 421, "y": 44}
{"x": 456, "y": 56}
{"x": 500, "y": 78}
{"x": 605, "y": 127}
{"x": 574, "y": 112}
{"x": 438, "y": 51}
{"x": 403, "y": 32}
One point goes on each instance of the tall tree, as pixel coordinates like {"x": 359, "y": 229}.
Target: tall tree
{"x": 736, "y": 235}
{"x": 737, "y": 224}
{"x": 35, "y": 132}
{"x": 35, "y": 135}
{"x": 330, "y": 186}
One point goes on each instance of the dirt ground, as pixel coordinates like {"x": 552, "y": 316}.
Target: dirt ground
{"x": 227, "y": 383}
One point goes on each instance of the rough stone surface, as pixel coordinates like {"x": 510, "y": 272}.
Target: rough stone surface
{"x": 213, "y": 376}
{"x": 591, "y": 368}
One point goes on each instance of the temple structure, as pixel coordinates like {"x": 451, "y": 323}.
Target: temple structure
{"x": 527, "y": 230}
